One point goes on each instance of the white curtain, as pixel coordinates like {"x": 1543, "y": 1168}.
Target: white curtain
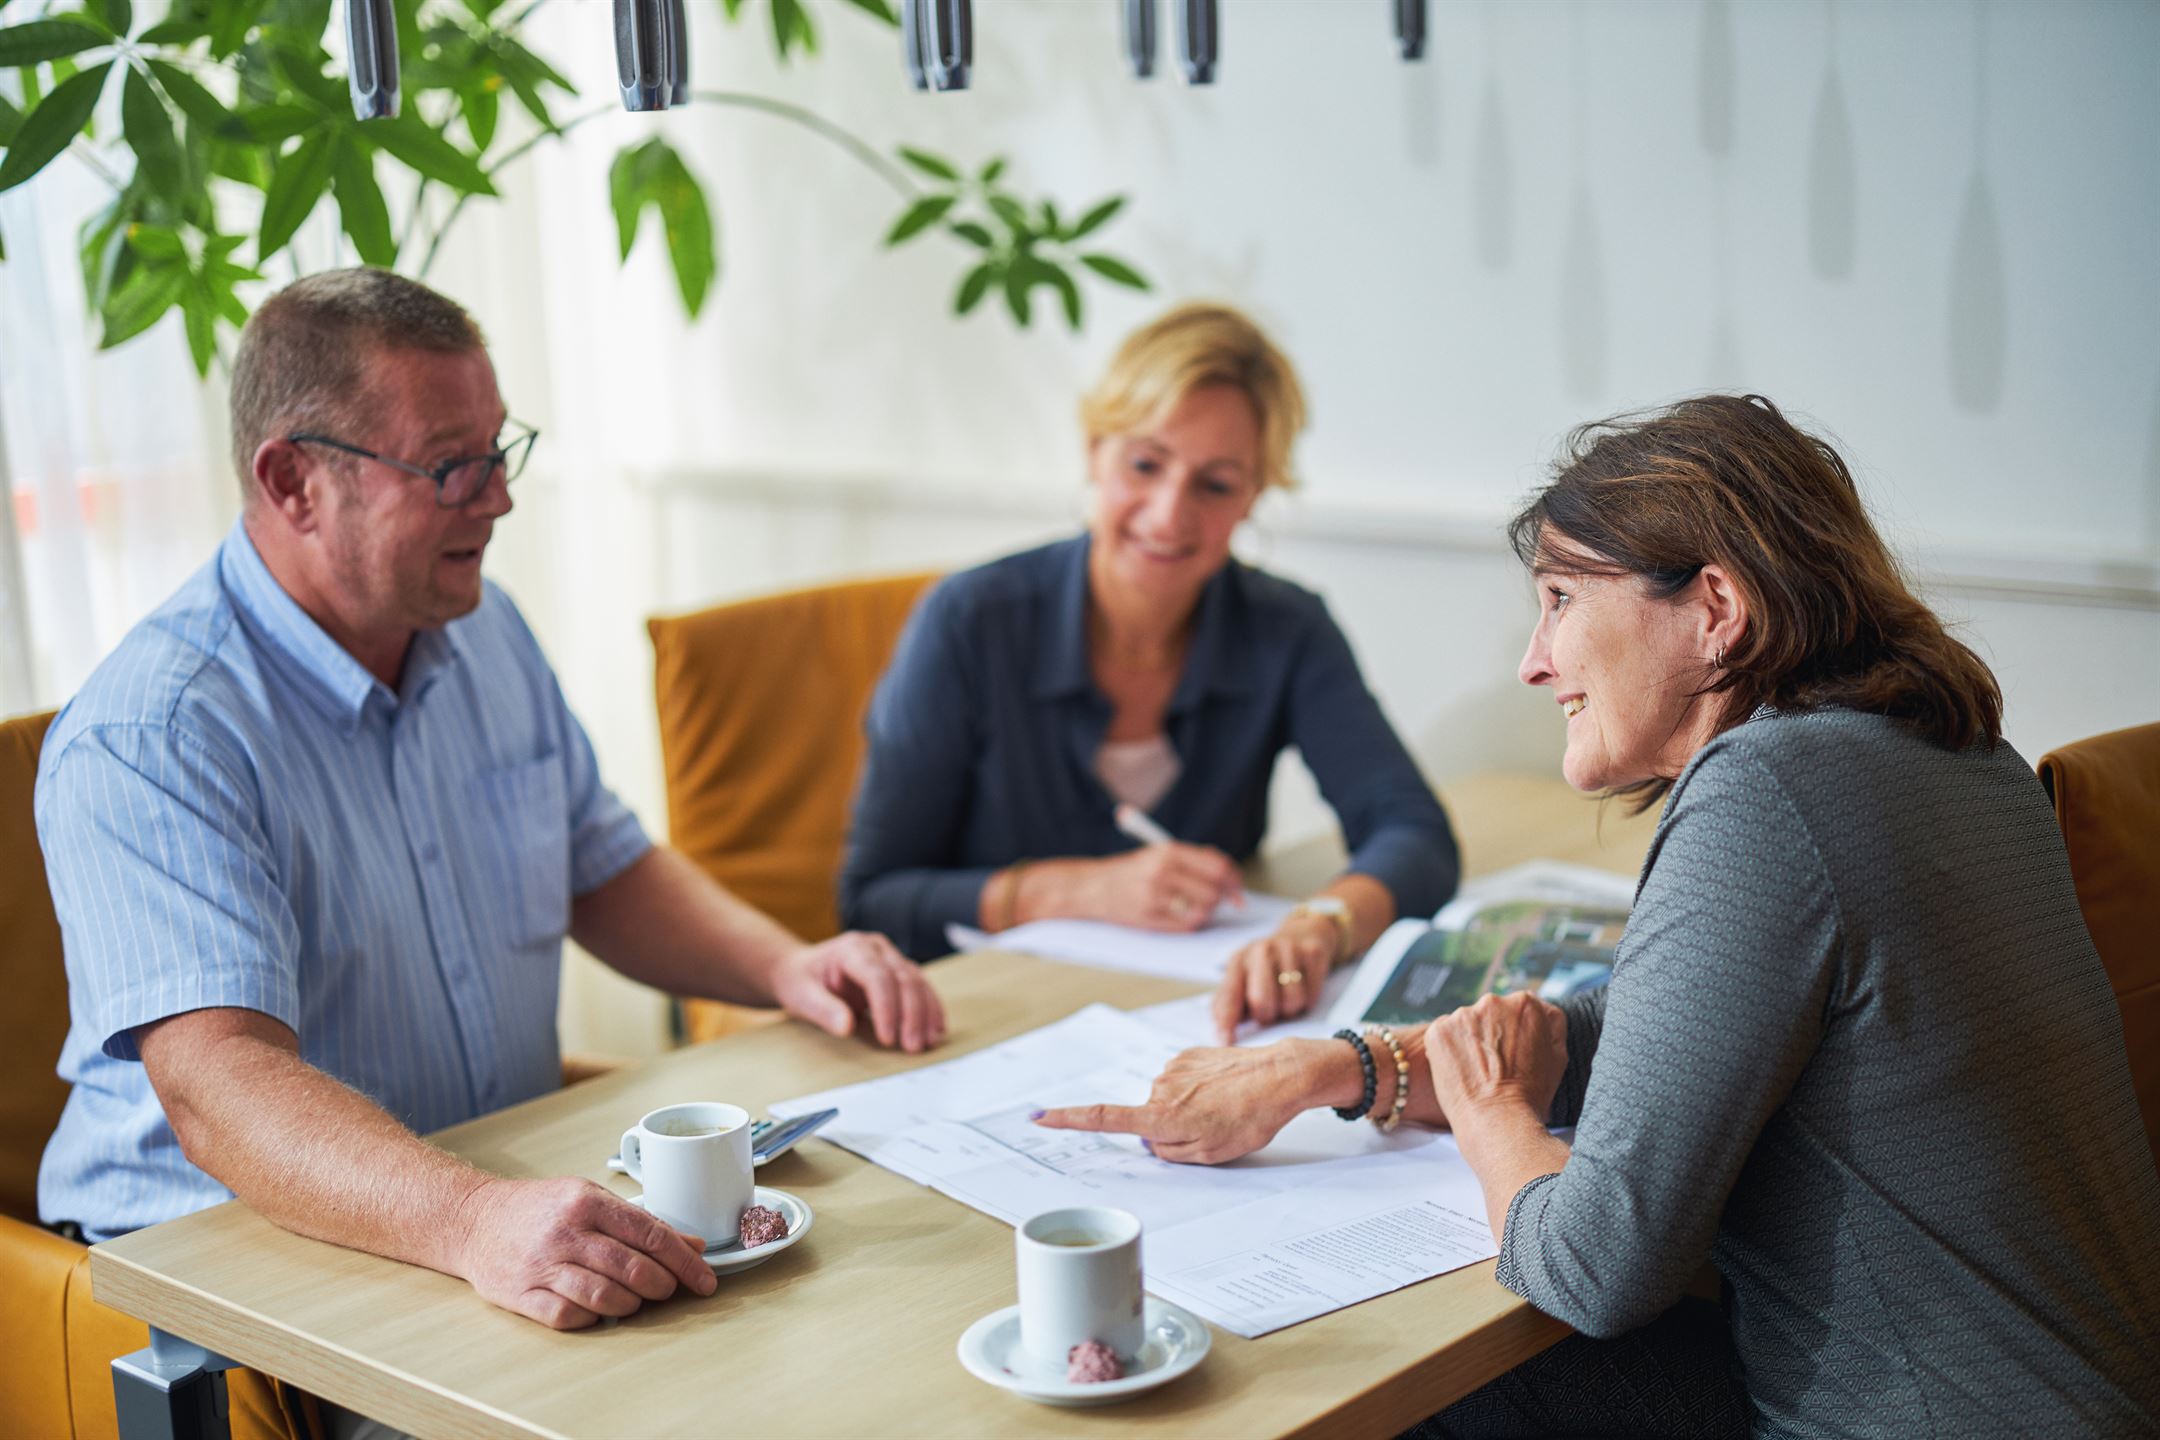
{"x": 111, "y": 463}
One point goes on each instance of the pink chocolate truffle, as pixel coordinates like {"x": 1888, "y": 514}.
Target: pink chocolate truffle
{"x": 762, "y": 1225}
{"x": 1091, "y": 1362}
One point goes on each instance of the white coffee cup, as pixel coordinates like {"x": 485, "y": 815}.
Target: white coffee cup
{"x": 694, "y": 1162}
{"x": 1079, "y": 1272}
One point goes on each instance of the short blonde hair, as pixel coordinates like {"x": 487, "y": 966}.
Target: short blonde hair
{"x": 1194, "y": 345}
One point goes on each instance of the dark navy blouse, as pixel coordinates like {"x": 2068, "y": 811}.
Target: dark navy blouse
{"x": 984, "y": 731}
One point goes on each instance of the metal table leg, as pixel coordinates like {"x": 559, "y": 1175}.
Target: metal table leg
{"x": 175, "y": 1390}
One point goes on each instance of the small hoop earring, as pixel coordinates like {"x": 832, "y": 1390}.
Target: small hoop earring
{"x": 1720, "y": 661}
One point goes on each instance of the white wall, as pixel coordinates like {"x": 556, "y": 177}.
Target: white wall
{"x": 1928, "y": 226}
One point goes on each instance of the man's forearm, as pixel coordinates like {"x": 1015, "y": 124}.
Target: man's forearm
{"x": 665, "y": 923}
{"x": 309, "y": 1153}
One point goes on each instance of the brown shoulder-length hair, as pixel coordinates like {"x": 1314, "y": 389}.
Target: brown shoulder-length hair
{"x": 1728, "y": 480}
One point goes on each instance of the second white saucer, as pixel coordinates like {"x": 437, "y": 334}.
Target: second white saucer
{"x": 1175, "y": 1341}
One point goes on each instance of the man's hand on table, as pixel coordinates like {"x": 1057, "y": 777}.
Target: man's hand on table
{"x": 859, "y": 976}
{"x": 565, "y": 1251}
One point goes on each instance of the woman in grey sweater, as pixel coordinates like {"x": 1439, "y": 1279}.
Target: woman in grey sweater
{"x": 1858, "y": 1051}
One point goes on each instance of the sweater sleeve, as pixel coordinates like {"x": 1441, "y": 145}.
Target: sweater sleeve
{"x": 1716, "y": 1005}
{"x": 898, "y": 875}
{"x": 1392, "y": 823}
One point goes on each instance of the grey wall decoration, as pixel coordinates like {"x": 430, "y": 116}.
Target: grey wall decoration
{"x": 1832, "y": 204}
{"x": 1979, "y": 303}
{"x": 1714, "y": 67}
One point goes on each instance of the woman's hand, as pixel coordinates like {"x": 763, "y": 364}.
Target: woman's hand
{"x": 1506, "y": 1050}
{"x": 1157, "y": 887}
{"x": 1211, "y": 1105}
{"x": 1276, "y": 978}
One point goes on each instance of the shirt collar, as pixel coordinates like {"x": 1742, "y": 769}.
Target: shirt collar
{"x": 1213, "y": 664}
{"x": 337, "y": 684}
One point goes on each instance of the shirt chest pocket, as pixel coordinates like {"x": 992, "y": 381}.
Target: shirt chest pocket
{"x": 524, "y": 841}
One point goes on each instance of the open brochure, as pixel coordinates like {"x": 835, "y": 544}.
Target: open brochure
{"x": 1543, "y": 927}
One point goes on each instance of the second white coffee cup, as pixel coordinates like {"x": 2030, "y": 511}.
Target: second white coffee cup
{"x": 694, "y": 1162}
{"x": 1079, "y": 1273}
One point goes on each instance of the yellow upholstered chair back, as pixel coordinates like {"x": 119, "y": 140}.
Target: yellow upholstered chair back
{"x": 2107, "y": 798}
{"x": 761, "y": 707}
{"x": 34, "y": 1021}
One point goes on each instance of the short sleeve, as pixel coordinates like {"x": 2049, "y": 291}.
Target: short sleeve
{"x": 165, "y": 884}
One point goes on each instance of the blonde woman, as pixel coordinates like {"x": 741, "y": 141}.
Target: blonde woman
{"x": 1140, "y": 664}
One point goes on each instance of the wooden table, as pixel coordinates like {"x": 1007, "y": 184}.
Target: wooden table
{"x": 853, "y": 1331}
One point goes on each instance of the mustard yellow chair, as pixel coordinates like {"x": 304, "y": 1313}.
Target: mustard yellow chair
{"x": 2107, "y": 799}
{"x": 761, "y": 707}
{"x": 57, "y": 1344}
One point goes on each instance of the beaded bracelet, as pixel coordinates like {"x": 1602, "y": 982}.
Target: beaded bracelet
{"x": 1372, "y": 1080}
{"x": 1402, "y": 1081}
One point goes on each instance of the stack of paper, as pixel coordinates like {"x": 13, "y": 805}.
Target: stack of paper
{"x": 1326, "y": 1216}
{"x": 1197, "y": 955}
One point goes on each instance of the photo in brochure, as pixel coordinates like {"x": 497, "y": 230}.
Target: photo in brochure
{"x": 1545, "y": 928}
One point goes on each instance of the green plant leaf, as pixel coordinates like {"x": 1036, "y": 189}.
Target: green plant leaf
{"x": 791, "y": 27}
{"x": 198, "y": 104}
{"x": 422, "y": 147}
{"x": 174, "y": 32}
{"x": 973, "y": 286}
{"x": 1068, "y": 292}
{"x": 1050, "y": 223}
{"x": 1016, "y": 294}
{"x": 479, "y": 104}
{"x": 295, "y": 185}
{"x": 35, "y": 41}
{"x": 305, "y": 70}
{"x": 137, "y": 304}
{"x": 45, "y": 131}
{"x": 973, "y": 233}
{"x": 148, "y": 128}
{"x": 118, "y": 15}
{"x": 10, "y": 121}
{"x": 691, "y": 244}
{"x": 103, "y": 250}
{"x": 991, "y": 171}
{"x": 1113, "y": 269}
{"x": 733, "y": 9}
{"x": 879, "y": 10}
{"x": 270, "y": 124}
{"x": 928, "y": 163}
{"x": 626, "y": 195}
{"x": 1015, "y": 216}
{"x": 1096, "y": 218}
{"x": 919, "y": 217}
{"x": 198, "y": 313}
{"x": 361, "y": 210}
{"x": 230, "y": 21}
{"x": 159, "y": 242}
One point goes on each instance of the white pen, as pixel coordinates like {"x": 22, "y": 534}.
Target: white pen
{"x": 1141, "y": 826}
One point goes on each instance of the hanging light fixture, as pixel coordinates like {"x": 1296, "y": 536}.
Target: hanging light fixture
{"x": 678, "y": 49}
{"x": 643, "y": 71}
{"x": 371, "y": 42}
{"x": 1140, "y": 37}
{"x": 915, "y": 42}
{"x": 951, "y": 43}
{"x": 1410, "y": 28}
{"x": 1199, "y": 43}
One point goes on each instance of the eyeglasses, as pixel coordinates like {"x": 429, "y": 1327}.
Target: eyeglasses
{"x": 457, "y": 482}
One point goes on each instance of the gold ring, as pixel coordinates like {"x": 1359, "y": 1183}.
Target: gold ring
{"x": 1289, "y": 977}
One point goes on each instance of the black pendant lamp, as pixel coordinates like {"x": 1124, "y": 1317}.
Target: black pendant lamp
{"x": 371, "y": 42}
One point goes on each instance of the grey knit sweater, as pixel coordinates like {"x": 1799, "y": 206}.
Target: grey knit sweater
{"x": 1858, "y": 1051}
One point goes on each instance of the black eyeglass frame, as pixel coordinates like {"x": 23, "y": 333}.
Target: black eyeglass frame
{"x": 511, "y": 457}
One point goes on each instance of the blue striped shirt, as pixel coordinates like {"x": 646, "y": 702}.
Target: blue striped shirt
{"x": 234, "y": 812}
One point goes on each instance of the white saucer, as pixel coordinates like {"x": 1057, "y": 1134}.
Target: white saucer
{"x": 1175, "y": 1341}
{"x": 727, "y": 1257}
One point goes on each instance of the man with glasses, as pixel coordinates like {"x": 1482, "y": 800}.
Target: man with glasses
{"x": 316, "y": 831}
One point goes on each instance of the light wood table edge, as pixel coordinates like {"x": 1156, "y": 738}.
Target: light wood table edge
{"x": 320, "y": 1367}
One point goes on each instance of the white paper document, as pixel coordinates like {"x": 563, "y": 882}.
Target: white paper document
{"x": 1195, "y": 955}
{"x": 1327, "y": 1215}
